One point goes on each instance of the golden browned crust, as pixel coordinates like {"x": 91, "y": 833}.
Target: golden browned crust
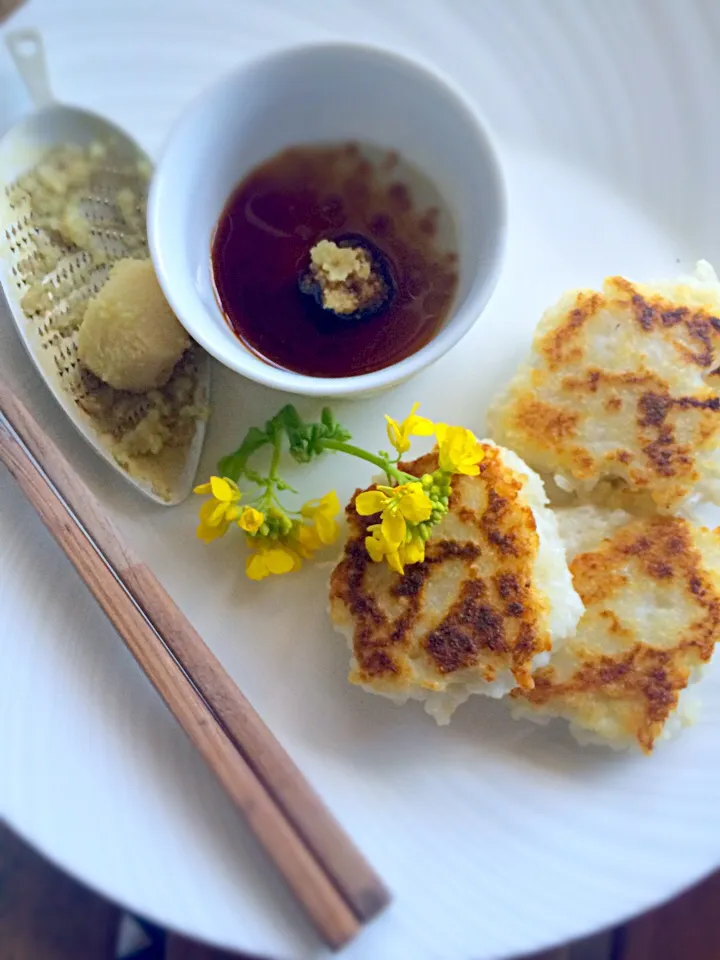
{"x": 554, "y": 425}
{"x": 649, "y": 415}
{"x": 563, "y": 344}
{"x": 695, "y": 329}
{"x": 468, "y": 612}
{"x": 613, "y": 670}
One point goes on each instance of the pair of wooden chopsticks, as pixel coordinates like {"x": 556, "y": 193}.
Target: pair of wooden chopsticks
{"x": 330, "y": 878}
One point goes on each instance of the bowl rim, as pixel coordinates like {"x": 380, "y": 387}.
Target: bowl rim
{"x": 458, "y": 324}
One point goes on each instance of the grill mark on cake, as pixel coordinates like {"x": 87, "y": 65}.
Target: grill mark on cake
{"x": 615, "y": 624}
{"x": 411, "y": 584}
{"x": 583, "y": 465}
{"x": 667, "y": 458}
{"x": 694, "y": 403}
{"x": 505, "y": 542}
{"x": 508, "y": 586}
{"x": 653, "y": 408}
{"x": 656, "y": 312}
{"x": 558, "y": 345}
{"x": 441, "y": 550}
{"x": 677, "y": 544}
{"x": 469, "y": 627}
{"x": 660, "y": 570}
{"x": 643, "y": 312}
{"x": 526, "y": 647}
{"x": 376, "y": 663}
{"x": 611, "y": 378}
{"x": 671, "y": 318}
{"x": 554, "y": 424}
{"x": 360, "y": 605}
{"x": 696, "y": 587}
{"x": 700, "y": 328}
{"x": 401, "y": 627}
{"x": 466, "y": 515}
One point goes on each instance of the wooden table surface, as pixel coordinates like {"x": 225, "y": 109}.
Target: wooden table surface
{"x": 44, "y": 915}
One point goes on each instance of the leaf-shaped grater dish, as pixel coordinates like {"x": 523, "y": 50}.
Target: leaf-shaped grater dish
{"x": 73, "y": 191}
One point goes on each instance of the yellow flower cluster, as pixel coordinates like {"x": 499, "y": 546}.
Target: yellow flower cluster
{"x": 278, "y": 544}
{"x": 412, "y": 426}
{"x": 409, "y": 510}
{"x": 222, "y": 509}
{"x": 458, "y": 450}
{"x": 397, "y": 538}
{"x": 279, "y": 540}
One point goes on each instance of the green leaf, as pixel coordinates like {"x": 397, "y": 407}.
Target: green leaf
{"x": 226, "y": 467}
{"x": 304, "y": 441}
{"x": 296, "y": 430}
{"x": 254, "y": 477}
{"x": 233, "y": 465}
{"x": 333, "y": 430}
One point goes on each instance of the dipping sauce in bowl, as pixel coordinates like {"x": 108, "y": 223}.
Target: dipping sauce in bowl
{"x": 334, "y": 261}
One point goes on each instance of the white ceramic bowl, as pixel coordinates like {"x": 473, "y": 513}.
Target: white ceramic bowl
{"x": 315, "y": 93}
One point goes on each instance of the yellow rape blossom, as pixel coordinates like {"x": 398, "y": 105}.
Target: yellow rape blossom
{"x": 280, "y": 540}
{"x": 408, "y": 502}
{"x": 306, "y": 540}
{"x": 396, "y": 555}
{"x": 270, "y": 557}
{"x": 412, "y": 426}
{"x": 459, "y": 450}
{"x": 217, "y": 513}
{"x": 251, "y": 520}
{"x": 323, "y": 513}
{"x": 413, "y": 552}
{"x": 273, "y": 554}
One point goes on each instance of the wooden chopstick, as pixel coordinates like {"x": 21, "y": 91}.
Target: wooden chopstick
{"x": 329, "y": 876}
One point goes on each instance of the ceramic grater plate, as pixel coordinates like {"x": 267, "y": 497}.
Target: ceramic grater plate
{"x": 35, "y": 258}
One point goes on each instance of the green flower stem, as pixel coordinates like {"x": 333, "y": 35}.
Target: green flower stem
{"x": 269, "y": 499}
{"x": 275, "y": 461}
{"x": 388, "y": 469}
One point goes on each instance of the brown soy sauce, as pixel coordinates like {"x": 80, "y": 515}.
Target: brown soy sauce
{"x": 262, "y": 244}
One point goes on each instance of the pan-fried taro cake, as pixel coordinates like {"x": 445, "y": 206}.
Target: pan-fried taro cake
{"x": 621, "y": 392}
{"x": 491, "y": 599}
{"x": 651, "y": 589}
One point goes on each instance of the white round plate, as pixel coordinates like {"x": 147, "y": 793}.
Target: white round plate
{"x": 496, "y": 837}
